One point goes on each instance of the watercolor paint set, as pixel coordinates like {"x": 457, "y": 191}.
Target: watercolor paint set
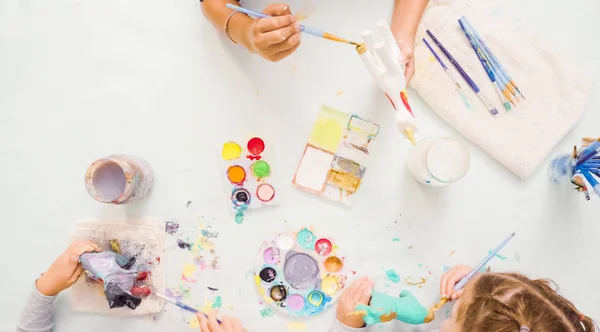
{"x": 247, "y": 175}
{"x": 299, "y": 273}
{"x": 333, "y": 163}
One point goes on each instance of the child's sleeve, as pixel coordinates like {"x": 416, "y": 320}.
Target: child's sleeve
{"x": 339, "y": 327}
{"x": 37, "y": 314}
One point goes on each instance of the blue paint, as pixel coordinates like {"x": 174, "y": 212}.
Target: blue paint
{"x": 239, "y": 217}
{"x": 392, "y": 276}
{"x": 498, "y": 255}
{"x": 306, "y": 239}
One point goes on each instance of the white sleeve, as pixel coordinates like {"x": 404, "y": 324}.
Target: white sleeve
{"x": 37, "y": 314}
{"x": 339, "y": 327}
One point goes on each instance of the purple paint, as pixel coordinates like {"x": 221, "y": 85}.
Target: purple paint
{"x": 301, "y": 271}
{"x": 271, "y": 256}
{"x": 295, "y": 303}
{"x": 109, "y": 180}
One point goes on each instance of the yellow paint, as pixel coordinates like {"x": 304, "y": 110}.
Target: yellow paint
{"x": 188, "y": 270}
{"x": 231, "y": 151}
{"x": 194, "y": 323}
{"x": 257, "y": 93}
{"x": 339, "y": 92}
{"x": 328, "y": 129}
{"x": 343, "y": 180}
{"x": 431, "y": 58}
{"x": 329, "y": 285}
{"x": 296, "y": 326}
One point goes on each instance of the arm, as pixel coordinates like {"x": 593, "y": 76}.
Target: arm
{"x": 273, "y": 38}
{"x": 339, "y": 327}
{"x": 62, "y": 274}
{"x": 405, "y": 20}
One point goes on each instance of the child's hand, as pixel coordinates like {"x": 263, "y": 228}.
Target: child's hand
{"x": 66, "y": 269}
{"x": 358, "y": 293}
{"x": 451, "y": 278}
{"x": 276, "y": 37}
{"x": 407, "y": 47}
{"x": 210, "y": 324}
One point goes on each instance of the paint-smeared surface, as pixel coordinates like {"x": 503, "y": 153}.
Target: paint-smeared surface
{"x": 239, "y": 217}
{"x": 392, "y": 276}
{"x": 267, "y": 312}
{"x": 171, "y": 227}
{"x": 395, "y": 239}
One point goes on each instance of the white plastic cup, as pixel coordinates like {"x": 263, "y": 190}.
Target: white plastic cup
{"x": 438, "y": 162}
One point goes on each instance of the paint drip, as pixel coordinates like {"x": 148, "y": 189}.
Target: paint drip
{"x": 119, "y": 179}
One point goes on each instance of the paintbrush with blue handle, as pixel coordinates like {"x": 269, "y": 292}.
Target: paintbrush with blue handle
{"x": 182, "y": 305}
{"x": 461, "y": 284}
{"x": 303, "y": 28}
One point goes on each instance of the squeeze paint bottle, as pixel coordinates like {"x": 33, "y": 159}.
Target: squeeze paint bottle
{"x": 382, "y": 57}
{"x": 119, "y": 179}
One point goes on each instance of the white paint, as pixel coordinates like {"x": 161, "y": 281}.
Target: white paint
{"x": 438, "y": 162}
{"x": 109, "y": 180}
{"x": 313, "y": 168}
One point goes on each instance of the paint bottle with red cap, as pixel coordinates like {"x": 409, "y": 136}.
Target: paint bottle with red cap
{"x": 119, "y": 179}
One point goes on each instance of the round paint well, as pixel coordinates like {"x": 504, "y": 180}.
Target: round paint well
{"x": 306, "y": 239}
{"x": 315, "y": 298}
{"x": 256, "y": 146}
{"x": 271, "y": 256}
{"x": 240, "y": 197}
{"x": 236, "y": 174}
{"x": 260, "y": 169}
{"x": 284, "y": 242}
{"x": 295, "y": 302}
{"x": 278, "y": 293}
{"x": 301, "y": 271}
{"x": 265, "y": 192}
{"x": 268, "y": 274}
{"x": 329, "y": 285}
{"x": 333, "y": 264}
{"x": 323, "y": 247}
{"x": 231, "y": 151}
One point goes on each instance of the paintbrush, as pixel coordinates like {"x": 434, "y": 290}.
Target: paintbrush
{"x": 511, "y": 84}
{"x": 182, "y": 305}
{"x": 461, "y": 284}
{"x": 441, "y": 62}
{"x": 303, "y": 28}
{"x": 482, "y": 97}
{"x": 486, "y": 65}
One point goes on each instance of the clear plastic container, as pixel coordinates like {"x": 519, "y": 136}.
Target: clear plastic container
{"x": 438, "y": 162}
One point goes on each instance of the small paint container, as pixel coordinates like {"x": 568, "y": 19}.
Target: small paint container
{"x": 119, "y": 179}
{"x": 560, "y": 169}
{"x": 438, "y": 162}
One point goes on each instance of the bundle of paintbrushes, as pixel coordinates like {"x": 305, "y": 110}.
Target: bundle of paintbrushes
{"x": 505, "y": 87}
{"x": 582, "y": 167}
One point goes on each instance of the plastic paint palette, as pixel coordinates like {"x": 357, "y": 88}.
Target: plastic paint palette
{"x": 299, "y": 274}
{"x": 334, "y": 160}
{"x": 248, "y": 176}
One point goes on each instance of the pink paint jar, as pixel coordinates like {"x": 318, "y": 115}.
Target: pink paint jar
{"x": 119, "y": 179}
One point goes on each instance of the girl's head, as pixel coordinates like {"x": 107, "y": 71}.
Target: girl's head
{"x": 508, "y": 302}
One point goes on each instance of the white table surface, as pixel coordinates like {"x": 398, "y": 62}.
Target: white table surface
{"x": 80, "y": 80}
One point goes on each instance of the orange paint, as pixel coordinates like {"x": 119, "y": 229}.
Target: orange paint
{"x": 405, "y": 102}
{"x": 236, "y": 174}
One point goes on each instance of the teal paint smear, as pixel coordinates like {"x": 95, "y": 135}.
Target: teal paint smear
{"x": 420, "y": 265}
{"x": 268, "y": 312}
{"x": 392, "y": 276}
{"x": 406, "y": 306}
{"x": 466, "y": 101}
{"x": 395, "y": 239}
{"x": 498, "y": 255}
{"x": 217, "y": 303}
{"x": 239, "y": 217}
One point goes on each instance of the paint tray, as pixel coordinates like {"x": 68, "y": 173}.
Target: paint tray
{"x": 334, "y": 160}
{"x": 247, "y": 175}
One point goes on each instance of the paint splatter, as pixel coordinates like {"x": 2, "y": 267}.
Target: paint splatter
{"x": 239, "y": 217}
{"x": 339, "y": 93}
{"x": 257, "y": 93}
{"x": 188, "y": 204}
{"x": 218, "y": 303}
{"x": 184, "y": 245}
{"x": 267, "y": 312}
{"x": 445, "y": 268}
{"x": 448, "y": 314}
{"x": 498, "y": 255}
{"x": 466, "y": 101}
{"x": 420, "y": 265}
{"x": 419, "y": 283}
{"x": 209, "y": 233}
{"x": 296, "y": 326}
{"x": 392, "y": 276}
{"x": 171, "y": 227}
{"x": 410, "y": 247}
{"x": 194, "y": 323}
{"x": 395, "y": 239}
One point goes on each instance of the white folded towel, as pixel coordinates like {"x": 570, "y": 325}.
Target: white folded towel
{"x": 556, "y": 95}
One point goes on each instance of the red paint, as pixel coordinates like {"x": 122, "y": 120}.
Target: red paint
{"x": 256, "y": 146}
{"x": 158, "y": 259}
{"x": 390, "y": 99}
{"x": 405, "y": 102}
{"x": 323, "y": 247}
{"x": 140, "y": 291}
{"x": 251, "y": 157}
{"x": 353, "y": 272}
{"x": 143, "y": 275}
